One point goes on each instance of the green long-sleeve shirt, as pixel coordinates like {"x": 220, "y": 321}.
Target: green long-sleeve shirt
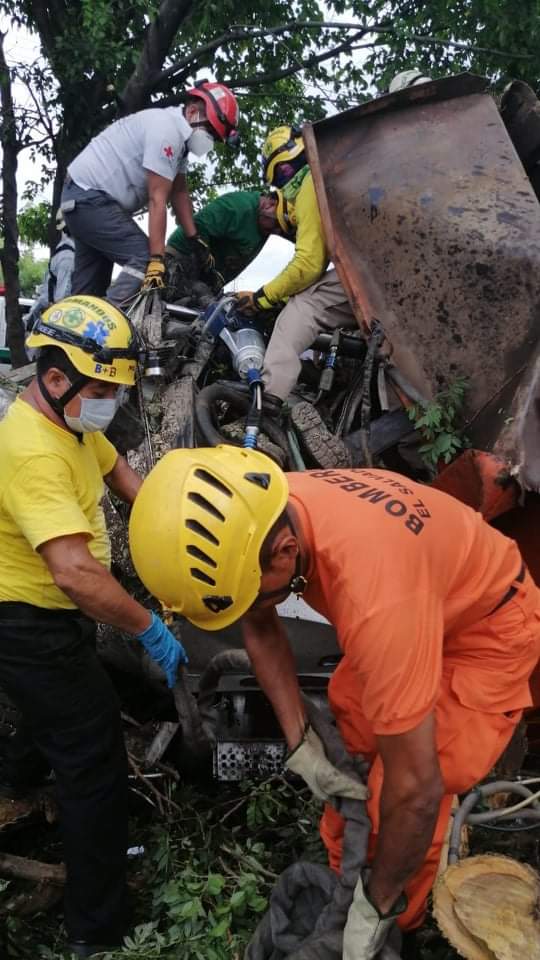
{"x": 229, "y": 226}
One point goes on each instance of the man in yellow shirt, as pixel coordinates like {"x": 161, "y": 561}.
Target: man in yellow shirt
{"x": 316, "y": 298}
{"x": 55, "y": 583}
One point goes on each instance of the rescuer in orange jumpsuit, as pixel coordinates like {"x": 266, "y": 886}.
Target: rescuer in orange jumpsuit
{"x": 436, "y": 615}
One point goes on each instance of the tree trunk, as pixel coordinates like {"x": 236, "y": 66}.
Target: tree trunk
{"x": 10, "y": 252}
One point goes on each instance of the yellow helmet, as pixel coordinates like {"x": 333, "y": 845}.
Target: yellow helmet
{"x": 97, "y": 337}
{"x": 286, "y": 216}
{"x": 282, "y": 145}
{"x": 197, "y": 527}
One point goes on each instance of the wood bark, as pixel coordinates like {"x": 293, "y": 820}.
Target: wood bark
{"x": 157, "y": 43}
{"x": 24, "y": 869}
{"x": 9, "y": 254}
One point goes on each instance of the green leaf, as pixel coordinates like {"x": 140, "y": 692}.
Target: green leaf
{"x": 215, "y": 884}
{"x": 238, "y": 899}
{"x": 220, "y": 928}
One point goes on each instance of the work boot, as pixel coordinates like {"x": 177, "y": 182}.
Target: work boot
{"x": 322, "y": 447}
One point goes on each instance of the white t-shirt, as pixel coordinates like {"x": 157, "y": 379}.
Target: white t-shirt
{"x": 117, "y": 160}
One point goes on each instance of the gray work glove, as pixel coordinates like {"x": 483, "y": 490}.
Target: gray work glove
{"x": 325, "y": 781}
{"x": 366, "y": 930}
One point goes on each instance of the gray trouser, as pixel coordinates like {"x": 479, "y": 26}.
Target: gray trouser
{"x": 104, "y": 234}
{"x": 321, "y": 307}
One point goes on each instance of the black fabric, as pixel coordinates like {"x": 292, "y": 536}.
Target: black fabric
{"x": 71, "y": 723}
{"x": 309, "y": 903}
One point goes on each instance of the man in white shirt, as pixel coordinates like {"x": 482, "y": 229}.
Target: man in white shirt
{"x": 141, "y": 161}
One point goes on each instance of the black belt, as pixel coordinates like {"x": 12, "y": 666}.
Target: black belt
{"x": 15, "y": 610}
{"x": 512, "y": 590}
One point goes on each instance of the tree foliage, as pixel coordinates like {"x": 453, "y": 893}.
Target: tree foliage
{"x": 34, "y": 223}
{"x": 31, "y": 273}
{"x": 102, "y": 59}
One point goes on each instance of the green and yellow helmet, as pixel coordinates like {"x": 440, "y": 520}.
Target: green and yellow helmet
{"x": 97, "y": 338}
{"x": 282, "y": 145}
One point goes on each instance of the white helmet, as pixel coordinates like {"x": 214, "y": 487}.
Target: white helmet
{"x": 407, "y": 78}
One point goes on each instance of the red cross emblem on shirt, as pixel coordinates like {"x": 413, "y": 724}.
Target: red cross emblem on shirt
{"x": 168, "y": 151}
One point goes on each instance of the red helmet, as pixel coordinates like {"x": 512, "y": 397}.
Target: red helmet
{"x": 221, "y": 109}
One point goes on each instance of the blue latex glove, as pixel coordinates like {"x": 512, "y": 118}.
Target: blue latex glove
{"x": 164, "y": 648}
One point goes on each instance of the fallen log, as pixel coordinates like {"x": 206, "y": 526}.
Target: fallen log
{"x": 21, "y": 868}
{"x": 30, "y": 904}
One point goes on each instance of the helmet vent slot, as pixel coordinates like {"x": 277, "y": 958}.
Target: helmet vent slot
{"x": 197, "y": 527}
{"x": 260, "y": 479}
{"x": 205, "y": 504}
{"x": 200, "y": 575}
{"x": 212, "y": 481}
{"x": 200, "y": 555}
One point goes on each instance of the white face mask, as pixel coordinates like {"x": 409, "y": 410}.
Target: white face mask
{"x": 95, "y": 415}
{"x": 200, "y": 142}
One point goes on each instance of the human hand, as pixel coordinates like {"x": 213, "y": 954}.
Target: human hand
{"x": 366, "y": 929}
{"x": 202, "y": 252}
{"x": 154, "y": 278}
{"x": 164, "y": 649}
{"x": 325, "y": 781}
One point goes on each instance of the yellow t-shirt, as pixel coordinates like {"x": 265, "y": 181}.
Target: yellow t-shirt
{"x": 51, "y": 485}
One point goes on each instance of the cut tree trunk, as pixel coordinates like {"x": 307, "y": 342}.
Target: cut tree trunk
{"x": 487, "y": 907}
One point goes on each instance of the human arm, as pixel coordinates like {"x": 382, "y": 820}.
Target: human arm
{"x": 310, "y": 258}
{"x": 123, "y": 480}
{"x": 409, "y": 806}
{"x": 159, "y": 190}
{"x": 93, "y": 589}
{"x": 91, "y": 586}
{"x": 271, "y": 657}
{"x": 181, "y": 204}
{"x": 412, "y": 791}
{"x": 273, "y": 664}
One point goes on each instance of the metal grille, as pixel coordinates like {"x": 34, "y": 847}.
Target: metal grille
{"x": 238, "y": 759}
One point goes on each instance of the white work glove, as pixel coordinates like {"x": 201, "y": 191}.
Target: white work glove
{"x": 325, "y": 781}
{"x": 366, "y": 930}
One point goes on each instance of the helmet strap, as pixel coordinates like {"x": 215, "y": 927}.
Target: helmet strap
{"x": 58, "y": 403}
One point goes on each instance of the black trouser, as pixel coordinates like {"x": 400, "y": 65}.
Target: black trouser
{"x": 49, "y": 667}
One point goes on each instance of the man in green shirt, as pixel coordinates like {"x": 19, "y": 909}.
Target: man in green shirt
{"x": 235, "y": 226}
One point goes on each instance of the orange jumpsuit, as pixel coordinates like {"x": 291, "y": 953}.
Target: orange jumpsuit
{"x": 412, "y": 580}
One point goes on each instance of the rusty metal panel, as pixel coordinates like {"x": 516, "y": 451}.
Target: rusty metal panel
{"x": 435, "y": 230}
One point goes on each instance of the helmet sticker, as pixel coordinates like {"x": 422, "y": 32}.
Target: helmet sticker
{"x": 56, "y": 316}
{"x": 97, "y": 331}
{"x": 73, "y": 317}
{"x": 105, "y": 371}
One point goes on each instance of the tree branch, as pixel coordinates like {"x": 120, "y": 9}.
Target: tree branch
{"x": 181, "y": 68}
{"x": 264, "y": 78}
{"x": 24, "y": 869}
{"x": 157, "y": 43}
